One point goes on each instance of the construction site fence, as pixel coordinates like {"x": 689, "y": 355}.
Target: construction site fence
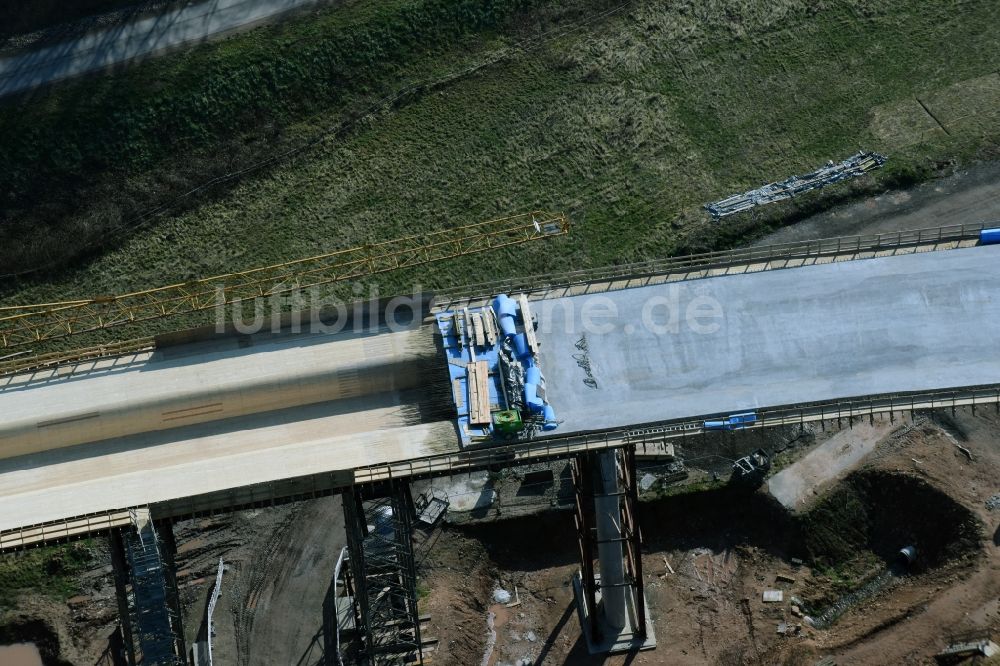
{"x": 213, "y": 600}
{"x": 958, "y": 235}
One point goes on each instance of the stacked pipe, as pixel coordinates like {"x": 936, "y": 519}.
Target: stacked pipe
{"x": 533, "y": 390}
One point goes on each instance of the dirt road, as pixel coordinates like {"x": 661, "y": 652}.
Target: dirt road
{"x": 279, "y": 568}
{"x": 296, "y": 587}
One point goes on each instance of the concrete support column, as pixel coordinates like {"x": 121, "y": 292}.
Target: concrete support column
{"x": 611, "y": 603}
{"x": 610, "y": 554}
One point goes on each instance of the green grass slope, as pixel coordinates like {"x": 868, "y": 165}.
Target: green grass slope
{"x": 629, "y": 123}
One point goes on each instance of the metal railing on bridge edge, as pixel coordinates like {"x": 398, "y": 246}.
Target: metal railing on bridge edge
{"x": 706, "y": 261}
{"x": 325, "y": 483}
{"x": 544, "y": 285}
{"x": 655, "y": 433}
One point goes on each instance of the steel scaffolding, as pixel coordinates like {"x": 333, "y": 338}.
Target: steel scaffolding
{"x": 379, "y": 527}
{"x": 856, "y": 165}
{"x": 583, "y": 485}
{"x": 151, "y": 624}
{"x": 589, "y": 491}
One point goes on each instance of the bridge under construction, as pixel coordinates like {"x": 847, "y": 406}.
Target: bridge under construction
{"x": 556, "y": 367}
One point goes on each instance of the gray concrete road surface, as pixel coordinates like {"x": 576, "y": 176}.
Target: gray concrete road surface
{"x": 734, "y": 343}
{"x": 198, "y": 418}
{"x": 97, "y": 50}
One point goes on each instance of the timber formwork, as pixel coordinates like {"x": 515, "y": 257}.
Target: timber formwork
{"x": 379, "y": 525}
{"x": 151, "y": 623}
{"x": 585, "y": 468}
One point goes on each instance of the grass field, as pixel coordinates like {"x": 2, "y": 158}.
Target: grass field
{"x": 628, "y": 123}
{"x": 81, "y": 157}
{"x": 48, "y": 571}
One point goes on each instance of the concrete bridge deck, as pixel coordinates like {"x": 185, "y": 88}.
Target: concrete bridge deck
{"x": 894, "y": 323}
{"x": 199, "y": 383}
{"x": 904, "y": 323}
{"x": 198, "y": 418}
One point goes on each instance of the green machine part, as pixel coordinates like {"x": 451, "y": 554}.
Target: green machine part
{"x": 508, "y": 422}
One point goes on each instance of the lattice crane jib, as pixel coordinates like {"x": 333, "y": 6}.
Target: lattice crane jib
{"x": 22, "y": 325}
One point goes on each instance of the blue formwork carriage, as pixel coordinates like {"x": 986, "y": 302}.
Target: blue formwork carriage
{"x": 732, "y": 422}
{"x": 989, "y": 236}
{"x": 496, "y": 380}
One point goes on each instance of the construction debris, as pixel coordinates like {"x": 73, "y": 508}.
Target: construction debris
{"x": 784, "y": 628}
{"x": 968, "y": 646}
{"x": 852, "y": 167}
{"x": 431, "y": 506}
{"x": 751, "y": 469}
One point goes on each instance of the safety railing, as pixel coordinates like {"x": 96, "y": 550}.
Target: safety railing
{"x": 759, "y": 257}
{"x": 647, "y": 435}
{"x": 213, "y": 600}
{"x": 557, "y": 447}
{"x": 58, "y": 530}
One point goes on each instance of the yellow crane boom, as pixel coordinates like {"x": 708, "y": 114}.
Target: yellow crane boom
{"x": 28, "y": 324}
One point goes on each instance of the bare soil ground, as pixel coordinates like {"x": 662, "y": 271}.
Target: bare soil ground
{"x": 279, "y": 568}
{"x": 908, "y": 625}
{"x": 723, "y": 551}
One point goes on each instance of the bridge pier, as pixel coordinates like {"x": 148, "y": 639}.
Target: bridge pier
{"x": 378, "y": 520}
{"x": 148, "y": 607}
{"x": 610, "y": 602}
